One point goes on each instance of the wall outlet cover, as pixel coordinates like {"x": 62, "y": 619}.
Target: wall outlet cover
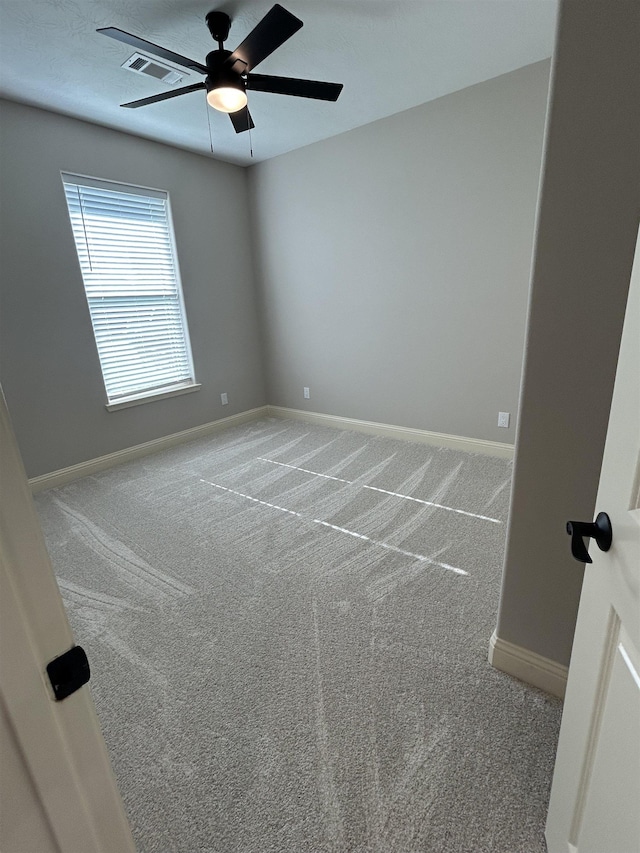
{"x": 224, "y": 399}
{"x": 307, "y": 395}
{"x": 503, "y": 419}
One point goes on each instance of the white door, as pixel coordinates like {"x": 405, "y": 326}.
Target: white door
{"x": 57, "y": 790}
{"x": 595, "y": 796}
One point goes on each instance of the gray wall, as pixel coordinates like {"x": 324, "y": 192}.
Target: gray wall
{"x": 394, "y": 261}
{"x": 49, "y": 364}
{"x": 586, "y": 234}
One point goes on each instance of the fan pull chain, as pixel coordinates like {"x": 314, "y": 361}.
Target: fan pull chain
{"x": 206, "y": 106}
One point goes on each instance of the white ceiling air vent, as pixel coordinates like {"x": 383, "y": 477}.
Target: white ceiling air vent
{"x": 152, "y": 68}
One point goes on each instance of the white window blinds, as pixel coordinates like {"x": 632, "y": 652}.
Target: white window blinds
{"x": 125, "y": 246}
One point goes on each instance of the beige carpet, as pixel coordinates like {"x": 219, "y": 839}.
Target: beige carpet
{"x": 288, "y": 628}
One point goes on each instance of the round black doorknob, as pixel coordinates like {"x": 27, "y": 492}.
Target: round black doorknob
{"x": 600, "y": 530}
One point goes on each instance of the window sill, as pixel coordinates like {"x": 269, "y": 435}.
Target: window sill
{"x": 139, "y": 399}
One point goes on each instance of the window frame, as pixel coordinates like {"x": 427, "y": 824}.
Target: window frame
{"x": 139, "y": 396}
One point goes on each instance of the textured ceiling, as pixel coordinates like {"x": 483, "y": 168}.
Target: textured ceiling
{"x": 390, "y": 56}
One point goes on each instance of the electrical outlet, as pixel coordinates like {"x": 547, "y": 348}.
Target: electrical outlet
{"x": 224, "y": 399}
{"x": 307, "y": 395}
{"x": 503, "y": 419}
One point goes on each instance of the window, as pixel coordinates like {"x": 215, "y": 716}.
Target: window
{"x": 124, "y": 240}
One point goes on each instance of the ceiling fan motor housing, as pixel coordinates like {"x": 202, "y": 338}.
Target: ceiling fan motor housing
{"x": 220, "y": 73}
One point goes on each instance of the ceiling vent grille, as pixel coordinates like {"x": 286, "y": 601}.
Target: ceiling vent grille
{"x": 143, "y": 65}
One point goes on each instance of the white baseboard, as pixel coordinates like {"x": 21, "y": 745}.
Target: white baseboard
{"x": 457, "y": 442}
{"x": 528, "y": 666}
{"x": 92, "y": 466}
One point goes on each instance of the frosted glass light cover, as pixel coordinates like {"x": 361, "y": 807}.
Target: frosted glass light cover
{"x": 227, "y": 99}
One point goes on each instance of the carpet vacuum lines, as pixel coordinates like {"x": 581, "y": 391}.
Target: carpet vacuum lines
{"x": 316, "y": 693}
{"x": 384, "y": 491}
{"x": 421, "y": 557}
{"x": 132, "y": 569}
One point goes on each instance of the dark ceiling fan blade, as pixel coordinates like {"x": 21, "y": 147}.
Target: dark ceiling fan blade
{"x": 294, "y": 86}
{"x": 164, "y": 95}
{"x": 155, "y": 49}
{"x": 274, "y": 29}
{"x": 241, "y": 120}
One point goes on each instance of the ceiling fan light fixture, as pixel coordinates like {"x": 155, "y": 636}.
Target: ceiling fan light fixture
{"x": 227, "y": 99}
{"x": 228, "y": 74}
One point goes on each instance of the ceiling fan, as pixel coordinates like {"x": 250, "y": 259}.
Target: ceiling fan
{"x": 228, "y": 73}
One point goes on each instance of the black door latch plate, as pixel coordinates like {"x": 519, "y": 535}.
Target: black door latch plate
{"x": 68, "y": 672}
